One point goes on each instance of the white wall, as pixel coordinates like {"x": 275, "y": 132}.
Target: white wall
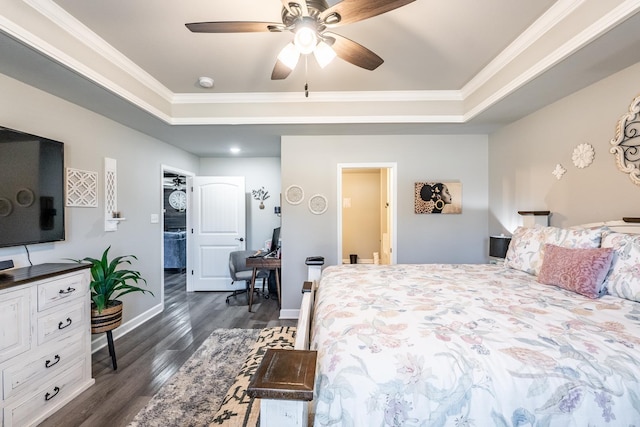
{"x": 523, "y": 154}
{"x": 88, "y": 139}
{"x": 311, "y": 162}
{"x": 258, "y": 172}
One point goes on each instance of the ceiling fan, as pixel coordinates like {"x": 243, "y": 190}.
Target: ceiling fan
{"x": 309, "y": 21}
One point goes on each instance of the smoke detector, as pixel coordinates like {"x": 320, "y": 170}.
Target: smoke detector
{"x": 205, "y": 82}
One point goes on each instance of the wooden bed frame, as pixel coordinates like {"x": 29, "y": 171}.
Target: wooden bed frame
{"x": 305, "y": 319}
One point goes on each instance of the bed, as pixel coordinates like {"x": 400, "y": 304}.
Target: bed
{"x": 477, "y": 345}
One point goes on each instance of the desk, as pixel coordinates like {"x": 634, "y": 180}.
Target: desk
{"x": 260, "y": 263}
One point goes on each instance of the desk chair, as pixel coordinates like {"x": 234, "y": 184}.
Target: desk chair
{"x": 240, "y": 272}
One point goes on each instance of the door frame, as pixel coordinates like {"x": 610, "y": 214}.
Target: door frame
{"x": 393, "y": 190}
{"x": 171, "y": 169}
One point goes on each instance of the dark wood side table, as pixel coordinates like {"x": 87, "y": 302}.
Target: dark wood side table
{"x": 264, "y": 263}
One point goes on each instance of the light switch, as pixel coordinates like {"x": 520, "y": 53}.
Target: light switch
{"x": 155, "y": 219}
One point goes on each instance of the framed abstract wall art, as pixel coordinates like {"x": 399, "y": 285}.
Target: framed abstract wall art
{"x": 438, "y": 197}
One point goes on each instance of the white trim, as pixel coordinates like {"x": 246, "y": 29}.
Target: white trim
{"x": 125, "y": 328}
{"x": 82, "y": 33}
{"x": 289, "y": 314}
{"x": 346, "y": 96}
{"x": 552, "y": 17}
{"x": 601, "y": 26}
{"x": 250, "y": 120}
{"x": 60, "y": 57}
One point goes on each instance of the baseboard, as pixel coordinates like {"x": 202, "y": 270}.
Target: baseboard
{"x": 101, "y": 340}
{"x": 360, "y": 261}
{"x": 289, "y": 314}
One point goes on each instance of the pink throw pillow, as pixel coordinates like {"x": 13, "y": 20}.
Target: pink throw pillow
{"x": 579, "y": 270}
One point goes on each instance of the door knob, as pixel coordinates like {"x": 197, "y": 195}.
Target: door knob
{"x": 241, "y": 239}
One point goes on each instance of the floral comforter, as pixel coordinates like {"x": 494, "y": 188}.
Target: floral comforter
{"x": 470, "y": 345}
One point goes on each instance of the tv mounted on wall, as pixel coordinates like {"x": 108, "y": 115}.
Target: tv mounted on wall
{"x": 31, "y": 189}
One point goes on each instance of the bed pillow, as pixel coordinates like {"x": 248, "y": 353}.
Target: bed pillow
{"x": 526, "y": 250}
{"x": 579, "y": 270}
{"x": 623, "y": 280}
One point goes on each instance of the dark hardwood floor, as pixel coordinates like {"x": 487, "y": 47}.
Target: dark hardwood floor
{"x": 149, "y": 355}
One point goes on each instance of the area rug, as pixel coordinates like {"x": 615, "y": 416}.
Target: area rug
{"x": 238, "y": 408}
{"x": 193, "y": 395}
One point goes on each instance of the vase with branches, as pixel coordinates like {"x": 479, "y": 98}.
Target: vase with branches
{"x": 261, "y": 195}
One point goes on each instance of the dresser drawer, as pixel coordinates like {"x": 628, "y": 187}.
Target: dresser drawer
{"x": 20, "y": 376}
{"x": 49, "y": 396}
{"x": 59, "y": 291}
{"x": 58, "y": 323}
{"x": 15, "y": 321}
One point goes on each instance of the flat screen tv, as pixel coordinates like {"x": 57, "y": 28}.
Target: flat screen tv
{"x": 31, "y": 189}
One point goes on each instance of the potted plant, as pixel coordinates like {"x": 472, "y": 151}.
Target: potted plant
{"x": 109, "y": 282}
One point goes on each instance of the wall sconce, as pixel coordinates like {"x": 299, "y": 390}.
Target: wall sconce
{"x": 276, "y": 210}
{"x": 498, "y": 246}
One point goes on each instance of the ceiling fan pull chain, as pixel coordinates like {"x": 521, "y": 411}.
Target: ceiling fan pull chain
{"x": 306, "y": 77}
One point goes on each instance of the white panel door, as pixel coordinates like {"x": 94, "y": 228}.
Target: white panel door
{"x": 216, "y": 226}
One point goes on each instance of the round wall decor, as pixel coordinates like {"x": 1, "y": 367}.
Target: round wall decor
{"x": 178, "y": 200}
{"x": 5, "y": 206}
{"x": 25, "y": 197}
{"x": 318, "y": 204}
{"x": 583, "y": 155}
{"x": 294, "y": 194}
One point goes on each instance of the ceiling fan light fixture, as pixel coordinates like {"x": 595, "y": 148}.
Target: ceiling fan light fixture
{"x": 324, "y": 54}
{"x": 289, "y": 56}
{"x": 305, "y": 40}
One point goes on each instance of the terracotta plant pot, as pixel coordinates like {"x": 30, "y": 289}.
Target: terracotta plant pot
{"x": 109, "y": 319}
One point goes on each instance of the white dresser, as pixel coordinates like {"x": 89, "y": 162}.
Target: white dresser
{"x": 45, "y": 340}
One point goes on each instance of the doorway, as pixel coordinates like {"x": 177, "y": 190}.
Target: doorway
{"x": 367, "y": 213}
{"x": 174, "y": 235}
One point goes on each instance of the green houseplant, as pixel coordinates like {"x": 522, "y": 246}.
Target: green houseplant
{"x": 109, "y": 281}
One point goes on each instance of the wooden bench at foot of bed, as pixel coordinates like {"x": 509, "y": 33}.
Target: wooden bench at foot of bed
{"x": 238, "y": 408}
{"x": 284, "y": 383}
{"x": 285, "y": 379}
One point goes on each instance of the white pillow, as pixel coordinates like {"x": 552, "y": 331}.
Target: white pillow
{"x": 526, "y": 250}
{"x": 623, "y": 280}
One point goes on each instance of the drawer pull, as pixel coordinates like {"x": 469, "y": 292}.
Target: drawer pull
{"x": 67, "y": 291}
{"x": 48, "y": 363}
{"x": 50, "y": 396}
{"x": 61, "y": 325}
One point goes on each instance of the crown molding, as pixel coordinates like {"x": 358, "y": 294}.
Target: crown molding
{"x": 35, "y": 42}
{"x": 262, "y": 120}
{"x": 83, "y": 34}
{"x": 288, "y": 97}
{"x": 552, "y": 17}
{"x": 601, "y": 26}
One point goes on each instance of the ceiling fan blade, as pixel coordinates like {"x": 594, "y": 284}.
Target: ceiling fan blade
{"x": 353, "y": 52}
{"x": 280, "y": 71}
{"x": 234, "y": 27}
{"x": 349, "y": 11}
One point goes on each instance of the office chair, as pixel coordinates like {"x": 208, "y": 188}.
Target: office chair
{"x": 240, "y": 272}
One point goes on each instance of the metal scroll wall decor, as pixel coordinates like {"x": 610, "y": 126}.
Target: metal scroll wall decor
{"x": 626, "y": 143}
